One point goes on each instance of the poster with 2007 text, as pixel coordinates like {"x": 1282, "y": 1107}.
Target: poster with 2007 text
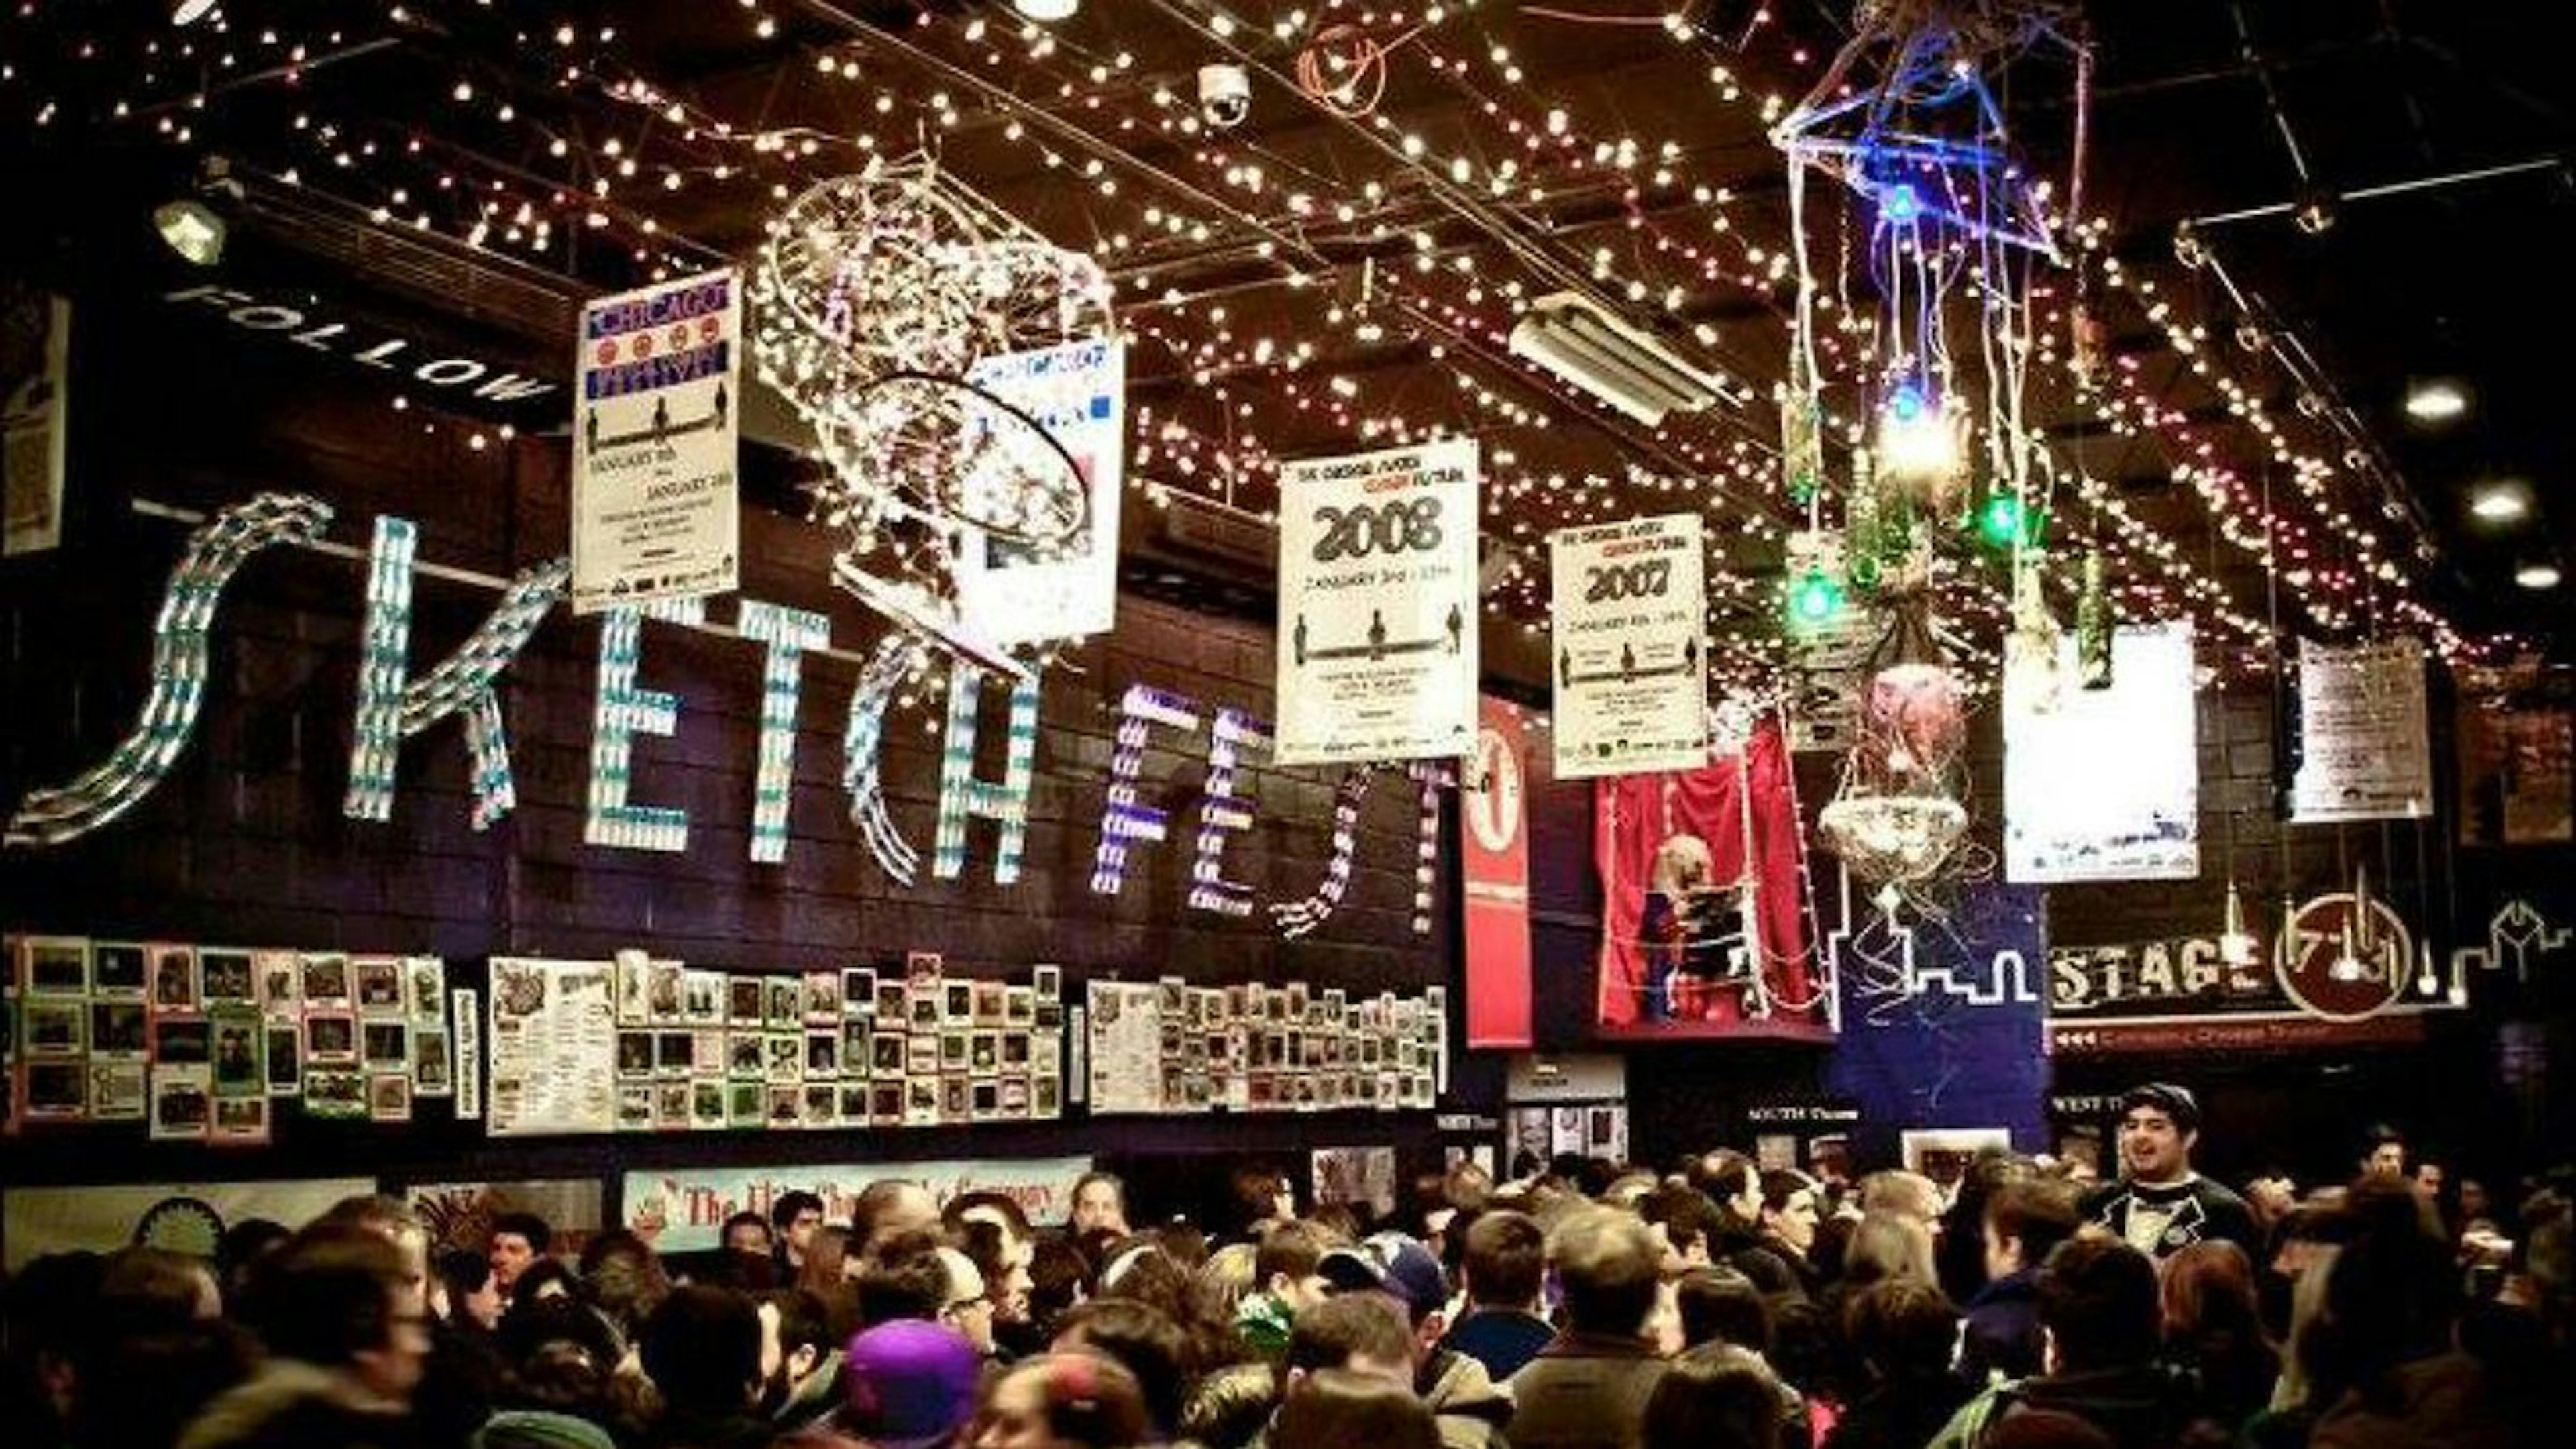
{"x": 1631, "y": 665}
{"x": 1377, "y": 605}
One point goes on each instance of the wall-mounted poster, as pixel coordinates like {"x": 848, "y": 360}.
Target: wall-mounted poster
{"x": 654, "y": 495}
{"x": 682, "y": 1209}
{"x": 2517, "y": 772}
{"x": 1355, "y": 1175}
{"x": 184, "y": 1217}
{"x": 1077, "y": 392}
{"x": 35, "y": 395}
{"x": 460, "y": 1214}
{"x": 1631, "y": 649}
{"x": 552, "y": 1036}
{"x": 2364, "y": 743}
{"x": 1126, "y": 1047}
{"x": 2069, "y": 814}
{"x": 1377, "y": 605}
{"x": 1493, "y": 813}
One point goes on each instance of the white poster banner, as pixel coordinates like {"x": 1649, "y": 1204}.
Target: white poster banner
{"x": 35, "y": 401}
{"x": 461, "y": 1214}
{"x": 1377, "y": 606}
{"x": 552, "y": 1039}
{"x": 1007, "y": 592}
{"x": 655, "y": 510}
{"x": 185, "y": 1217}
{"x": 1126, "y": 1047}
{"x": 682, "y": 1209}
{"x": 2106, "y": 785}
{"x": 2365, "y": 743}
{"x": 1631, "y": 647}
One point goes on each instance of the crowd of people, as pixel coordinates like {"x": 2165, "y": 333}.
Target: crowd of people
{"x": 1717, "y": 1305}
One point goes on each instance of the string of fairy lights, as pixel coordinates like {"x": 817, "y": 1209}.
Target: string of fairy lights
{"x": 1280, "y": 371}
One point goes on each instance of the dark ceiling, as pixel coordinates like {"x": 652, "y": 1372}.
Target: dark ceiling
{"x": 1358, "y": 291}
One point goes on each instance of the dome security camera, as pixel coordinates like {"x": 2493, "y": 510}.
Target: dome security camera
{"x": 1225, "y": 95}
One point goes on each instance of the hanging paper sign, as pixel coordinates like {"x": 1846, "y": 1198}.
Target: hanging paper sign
{"x": 1377, "y": 605}
{"x": 2365, "y": 749}
{"x": 1494, "y": 845}
{"x": 1010, "y": 593}
{"x": 654, "y": 490}
{"x": 2106, "y": 785}
{"x": 1125, "y": 1047}
{"x": 553, "y": 1043}
{"x": 1631, "y": 647}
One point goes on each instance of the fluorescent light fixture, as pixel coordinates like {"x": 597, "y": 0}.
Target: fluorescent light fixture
{"x": 189, "y": 12}
{"x": 1043, "y": 10}
{"x": 192, "y": 229}
{"x": 2437, "y": 400}
{"x": 2500, "y": 502}
{"x": 2537, "y": 575}
{"x": 1628, "y": 369}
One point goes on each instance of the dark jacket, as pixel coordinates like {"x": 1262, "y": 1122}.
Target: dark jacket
{"x": 2438, "y": 1403}
{"x": 1504, "y": 1340}
{"x": 2001, "y": 1334}
{"x": 2203, "y": 1211}
{"x": 1584, "y": 1391}
{"x": 2143, "y": 1406}
{"x": 1901, "y": 1414}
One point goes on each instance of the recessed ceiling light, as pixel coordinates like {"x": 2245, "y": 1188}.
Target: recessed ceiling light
{"x": 2437, "y": 400}
{"x": 2503, "y": 502}
{"x": 2537, "y": 576}
{"x": 1047, "y": 9}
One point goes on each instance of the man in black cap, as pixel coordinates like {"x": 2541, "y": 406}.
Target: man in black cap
{"x": 2160, "y": 1206}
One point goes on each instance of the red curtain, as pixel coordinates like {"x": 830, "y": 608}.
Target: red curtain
{"x": 1735, "y": 804}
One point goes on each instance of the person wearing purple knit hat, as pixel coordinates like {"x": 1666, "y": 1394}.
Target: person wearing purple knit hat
{"x": 908, "y": 1384}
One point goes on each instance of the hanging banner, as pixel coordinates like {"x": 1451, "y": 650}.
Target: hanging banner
{"x": 2364, "y": 743}
{"x": 461, "y": 1214}
{"x": 553, "y": 1043}
{"x": 2104, "y": 784}
{"x": 1009, "y": 593}
{"x": 1377, "y": 606}
{"x": 2515, "y": 775}
{"x": 35, "y": 396}
{"x": 655, "y": 497}
{"x": 1631, "y": 646}
{"x": 184, "y": 1217}
{"x": 1493, "y": 804}
{"x": 683, "y": 1209}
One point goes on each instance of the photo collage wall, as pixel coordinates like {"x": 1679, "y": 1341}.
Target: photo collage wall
{"x": 199, "y": 1043}
{"x": 1166, "y": 1046}
{"x": 643, "y": 1044}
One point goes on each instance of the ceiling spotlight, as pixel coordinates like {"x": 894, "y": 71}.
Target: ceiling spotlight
{"x": 2315, "y": 213}
{"x": 1046, "y": 10}
{"x": 2503, "y": 502}
{"x": 192, "y": 229}
{"x": 2188, "y": 248}
{"x": 2437, "y": 400}
{"x": 189, "y": 12}
{"x": 2537, "y": 575}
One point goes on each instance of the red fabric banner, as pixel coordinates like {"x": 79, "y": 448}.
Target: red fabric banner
{"x": 1703, "y": 928}
{"x": 1494, "y": 821}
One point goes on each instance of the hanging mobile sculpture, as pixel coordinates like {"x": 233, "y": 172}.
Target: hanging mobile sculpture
{"x": 878, "y": 295}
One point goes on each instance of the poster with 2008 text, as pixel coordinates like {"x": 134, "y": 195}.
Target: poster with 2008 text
{"x": 1377, "y": 605}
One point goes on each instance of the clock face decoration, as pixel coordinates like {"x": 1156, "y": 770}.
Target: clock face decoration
{"x": 180, "y": 1225}
{"x": 2344, "y": 960}
{"x": 1493, "y": 804}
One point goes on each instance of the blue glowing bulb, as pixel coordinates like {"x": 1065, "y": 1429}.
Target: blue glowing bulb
{"x": 1899, "y": 204}
{"x": 1907, "y": 403}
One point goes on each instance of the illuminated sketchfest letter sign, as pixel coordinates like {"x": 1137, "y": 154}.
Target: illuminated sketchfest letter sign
{"x": 392, "y": 706}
